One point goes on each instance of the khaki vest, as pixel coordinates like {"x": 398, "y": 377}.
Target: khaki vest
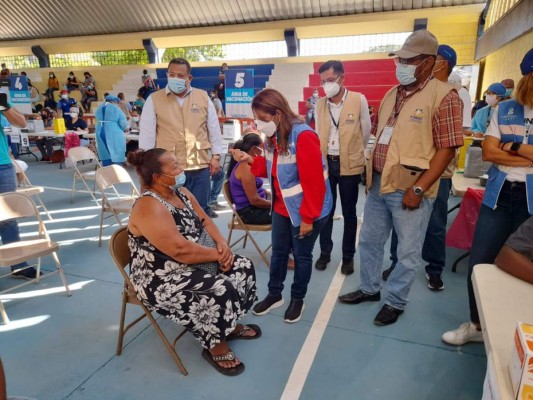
{"x": 351, "y": 144}
{"x": 183, "y": 129}
{"x": 411, "y": 143}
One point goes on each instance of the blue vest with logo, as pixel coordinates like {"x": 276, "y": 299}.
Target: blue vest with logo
{"x": 289, "y": 180}
{"x": 512, "y": 129}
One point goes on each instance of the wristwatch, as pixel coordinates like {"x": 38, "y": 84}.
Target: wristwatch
{"x": 418, "y": 190}
{"x": 514, "y": 148}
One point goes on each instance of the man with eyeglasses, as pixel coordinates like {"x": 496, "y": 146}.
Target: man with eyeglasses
{"x": 183, "y": 120}
{"x": 419, "y": 127}
{"x": 343, "y": 124}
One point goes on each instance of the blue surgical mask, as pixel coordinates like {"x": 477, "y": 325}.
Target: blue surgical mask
{"x": 508, "y": 92}
{"x": 180, "y": 179}
{"x": 177, "y": 85}
{"x": 405, "y": 74}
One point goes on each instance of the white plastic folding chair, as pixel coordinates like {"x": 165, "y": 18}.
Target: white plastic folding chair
{"x": 16, "y": 206}
{"x": 83, "y": 154}
{"x": 107, "y": 178}
{"x": 29, "y": 190}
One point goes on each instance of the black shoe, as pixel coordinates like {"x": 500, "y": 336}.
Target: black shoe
{"x": 387, "y": 315}
{"x": 269, "y": 303}
{"x": 435, "y": 282}
{"x": 347, "y": 267}
{"x": 322, "y": 262}
{"x": 385, "y": 274}
{"x": 28, "y": 273}
{"x": 359, "y": 297}
{"x": 294, "y": 311}
{"x": 212, "y": 214}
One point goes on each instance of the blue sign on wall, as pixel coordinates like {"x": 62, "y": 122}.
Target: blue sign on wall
{"x": 239, "y": 86}
{"x": 18, "y": 90}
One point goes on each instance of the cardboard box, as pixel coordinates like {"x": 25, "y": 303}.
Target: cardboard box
{"x": 521, "y": 364}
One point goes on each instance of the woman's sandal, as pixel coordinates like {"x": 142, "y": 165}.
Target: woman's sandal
{"x": 241, "y": 335}
{"x": 229, "y": 356}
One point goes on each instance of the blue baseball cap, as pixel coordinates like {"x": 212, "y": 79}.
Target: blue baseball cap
{"x": 526, "y": 66}
{"x": 498, "y": 89}
{"x": 448, "y": 54}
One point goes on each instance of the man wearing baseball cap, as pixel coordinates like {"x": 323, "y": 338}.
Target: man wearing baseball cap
{"x": 419, "y": 126}
{"x": 434, "y": 248}
{"x": 64, "y": 104}
{"x": 508, "y": 145}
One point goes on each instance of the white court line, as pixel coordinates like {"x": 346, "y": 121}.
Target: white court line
{"x": 304, "y": 361}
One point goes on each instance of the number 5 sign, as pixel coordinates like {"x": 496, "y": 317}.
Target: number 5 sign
{"x": 239, "y": 91}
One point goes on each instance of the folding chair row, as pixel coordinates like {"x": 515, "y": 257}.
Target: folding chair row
{"x": 29, "y": 190}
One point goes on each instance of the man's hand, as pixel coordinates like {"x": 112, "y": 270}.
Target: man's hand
{"x": 410, "y": 200}
{"x": 214, "y": 165}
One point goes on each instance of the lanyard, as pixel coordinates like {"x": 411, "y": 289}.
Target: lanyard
{"x": 335, "y": 123}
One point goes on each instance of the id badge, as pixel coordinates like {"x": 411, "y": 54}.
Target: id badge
{"x": 385, "y": 136}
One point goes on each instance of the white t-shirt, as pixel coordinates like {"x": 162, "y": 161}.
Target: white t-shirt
{"x": 467, "y": 107}
{"x": 515, "y": 174}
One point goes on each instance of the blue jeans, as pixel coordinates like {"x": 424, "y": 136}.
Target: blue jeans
{"x": 434, "y": 249}
{"x": 9, "y": 230}
{"x": 283, "y": 239}
{"x": 349, "y": 192}
{"x": 198, "y": 182}
{"x": 492, "y": 230}
{"x": 216, "y": 185}
{"x": 382, "y": 213}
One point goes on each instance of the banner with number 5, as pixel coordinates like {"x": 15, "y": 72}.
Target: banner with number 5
{"x": 239, "y": 91}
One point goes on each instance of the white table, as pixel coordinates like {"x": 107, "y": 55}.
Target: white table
{"x": 127, "y": 136}
{"x": 52, "y": 134}
{"x": 460, "y": 184}
{"x": 502, "y": 301}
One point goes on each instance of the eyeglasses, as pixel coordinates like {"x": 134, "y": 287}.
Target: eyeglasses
{"x": 330, "y": 80}
{"x": 409, "y": 61}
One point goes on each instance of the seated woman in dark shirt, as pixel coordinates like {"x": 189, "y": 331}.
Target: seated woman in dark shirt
{"x": 75, "y": 123}
{"x": 249, "y": 196}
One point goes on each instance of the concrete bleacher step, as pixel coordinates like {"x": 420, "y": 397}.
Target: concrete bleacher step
{"x": 290, "y": 79}
{"x": 380, "y": 65}
{"x": 130, "y": 83}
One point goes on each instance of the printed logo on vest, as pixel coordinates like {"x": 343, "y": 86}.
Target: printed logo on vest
{"x": 195, "y": 109}
{"x": 417, "y": 117}
{"x": 350, "y": 119}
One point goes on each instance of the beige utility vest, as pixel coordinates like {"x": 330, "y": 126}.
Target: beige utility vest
{"x": 351, "y": 143}
{"x": 183, "y": 129}
{"x": 412, "y": 142}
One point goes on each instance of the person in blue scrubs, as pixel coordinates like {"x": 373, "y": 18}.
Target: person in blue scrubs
{"x": 110, "y": 125}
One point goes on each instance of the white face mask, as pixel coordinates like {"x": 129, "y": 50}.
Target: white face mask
{"x": 332, "y": 89}
{"x": 73, "y": 115}
{"x": 405, "y": 74}
{"x": 491, "y": 99}
{"x": 135, "y": 119}
{"x": 268, "y": 128}
{"x": 64, "y": 96}
{"x": 315, "y": 95}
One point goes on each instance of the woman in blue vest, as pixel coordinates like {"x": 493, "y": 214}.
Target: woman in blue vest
{"x": 110, "y": 125}
{"x": 508, "y": 199}
{"x": 495, "y": 93}
{"x": 301, "y": 196}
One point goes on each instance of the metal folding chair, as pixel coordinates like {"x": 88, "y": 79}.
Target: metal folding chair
{"x": 118, "y": 245}
{"x": 82, "y": 154}
{"x": 29, "y": 190}
{"x": 15, "y": 206}
{"x": 107, "y": 178}
{"x": 236, "y": 223}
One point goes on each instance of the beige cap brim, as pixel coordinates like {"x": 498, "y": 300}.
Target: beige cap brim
{"x": 402, "y": 53}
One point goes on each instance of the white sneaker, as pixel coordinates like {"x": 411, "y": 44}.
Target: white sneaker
{"x": 466, "y": 332}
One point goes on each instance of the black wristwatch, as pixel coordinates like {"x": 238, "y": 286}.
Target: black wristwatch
{"x": 514, "y": 147}
{"x": 418, "y": 190}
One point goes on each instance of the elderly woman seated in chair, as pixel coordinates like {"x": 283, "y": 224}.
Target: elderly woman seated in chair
{"x": 182, "y": 267}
